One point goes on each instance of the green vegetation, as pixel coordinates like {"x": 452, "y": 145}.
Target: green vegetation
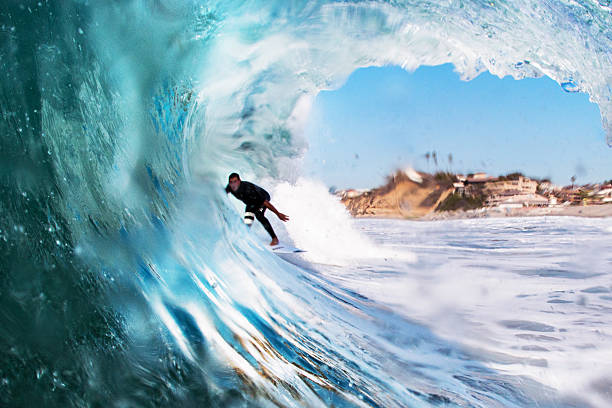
{"x": 511, "y": 176}
{"x": 516, "y": 175}
{"x": 456, "y": 201}
{"x": 445, "y": 179}
{"x": 583, "y": 194}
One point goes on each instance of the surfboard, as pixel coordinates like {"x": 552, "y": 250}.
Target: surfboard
{"x": 286, "y": 249}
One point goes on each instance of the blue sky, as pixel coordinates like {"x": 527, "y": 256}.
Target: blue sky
{"x": 386, "y": 118}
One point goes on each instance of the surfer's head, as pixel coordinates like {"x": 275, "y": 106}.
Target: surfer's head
{"x": 234, "y": 181}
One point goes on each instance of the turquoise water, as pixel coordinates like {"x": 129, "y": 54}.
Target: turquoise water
{"x": 128, "y": 279}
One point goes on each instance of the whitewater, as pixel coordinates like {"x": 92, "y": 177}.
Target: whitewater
{"x": 128, "y": 279}
{"x": 527, "y": 301}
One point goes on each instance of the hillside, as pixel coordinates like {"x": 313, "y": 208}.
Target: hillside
{"x": 405, "y": 195}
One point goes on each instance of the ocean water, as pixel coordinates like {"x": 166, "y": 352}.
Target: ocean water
{"x": 128, "y": 279}
{"x": 480, "y": 312}
{"x": 528, "y": 298}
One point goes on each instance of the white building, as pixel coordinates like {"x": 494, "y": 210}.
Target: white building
{"x": 605, "y": 195}
{"x": 524, "y": 200}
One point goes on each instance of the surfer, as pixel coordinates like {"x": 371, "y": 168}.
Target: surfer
{"x": 257, "y": 200}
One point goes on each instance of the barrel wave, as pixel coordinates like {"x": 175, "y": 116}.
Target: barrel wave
{"x": 128, "y": 278}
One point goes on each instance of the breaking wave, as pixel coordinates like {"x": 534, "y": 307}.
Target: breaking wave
{"x": 128, "y": 279}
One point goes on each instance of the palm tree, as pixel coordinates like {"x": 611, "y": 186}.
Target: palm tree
{"x": 434, "y": 155}
{"x": 427, "y": 156}
{"x": 573, "y": 178}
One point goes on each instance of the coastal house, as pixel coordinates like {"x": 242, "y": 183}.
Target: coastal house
{"x": 459, "y": 188}
{"x": 479, "y": 177}
{"x": 474, "y": 184}
{"x": 547, "y": 187}
{"x": 513, "y": 192}
{"x": 413, "y": 175}
{"x": 569, "y": 195}
{"x": 505, "y": 187}
{"x": 523, "y": 200}
{"x": 604, "y": 196}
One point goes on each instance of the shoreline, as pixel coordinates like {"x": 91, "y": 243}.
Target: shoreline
{"x": 588, "y": 211}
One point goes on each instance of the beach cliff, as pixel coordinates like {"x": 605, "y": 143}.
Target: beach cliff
{"x": 418, "y": 195}
{"x": 407, "y": 194}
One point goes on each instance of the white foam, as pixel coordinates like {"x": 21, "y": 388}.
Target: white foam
{"x": 321, "y": 225}
{"x": 465, "y": 296}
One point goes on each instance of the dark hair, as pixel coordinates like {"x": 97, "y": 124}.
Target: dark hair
{"x": 231, "y": 176}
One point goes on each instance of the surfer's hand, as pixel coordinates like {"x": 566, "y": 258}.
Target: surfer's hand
{"x": 283, "y": 217}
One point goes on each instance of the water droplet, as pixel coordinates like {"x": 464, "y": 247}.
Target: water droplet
{"x": 39, "y": 373}
{"x": 570, "y": 86}
{"x": 81, "y": 31}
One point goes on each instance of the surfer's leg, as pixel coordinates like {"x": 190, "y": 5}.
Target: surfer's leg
{"x": 249, "y": 215}
{"x": 259, "y": 213}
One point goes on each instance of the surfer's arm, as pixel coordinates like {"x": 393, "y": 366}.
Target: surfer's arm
{"x": 269, "y": 206}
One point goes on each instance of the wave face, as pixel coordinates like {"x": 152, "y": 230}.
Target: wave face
{"x": 126, "y": 277}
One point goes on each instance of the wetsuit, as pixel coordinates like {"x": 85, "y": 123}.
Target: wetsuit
{"x": 253, "y": 196}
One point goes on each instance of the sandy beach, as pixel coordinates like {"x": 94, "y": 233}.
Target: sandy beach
{"x": 590, "y": 211}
